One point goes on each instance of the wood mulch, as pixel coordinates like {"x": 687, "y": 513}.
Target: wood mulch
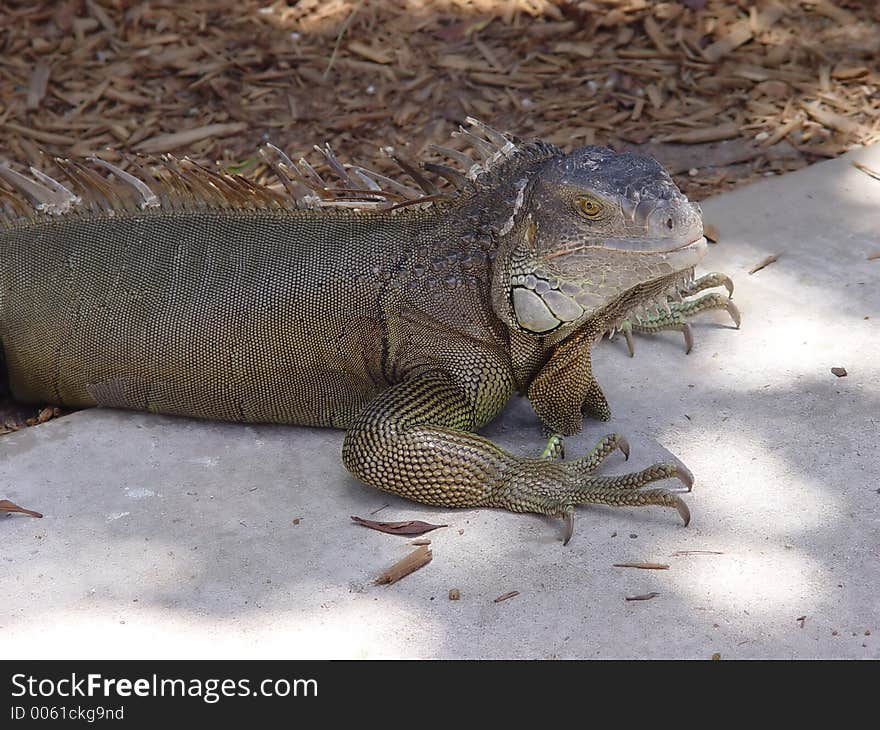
{"x": 720, "y": 91}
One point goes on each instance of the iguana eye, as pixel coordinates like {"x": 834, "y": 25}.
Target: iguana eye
{"x": 589, "y": 207}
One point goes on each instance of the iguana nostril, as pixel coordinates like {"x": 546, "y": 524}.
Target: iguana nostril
{"x": 669, "y": 223}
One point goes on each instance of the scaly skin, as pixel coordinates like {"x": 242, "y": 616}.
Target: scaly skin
{"x": 409, "y": 328}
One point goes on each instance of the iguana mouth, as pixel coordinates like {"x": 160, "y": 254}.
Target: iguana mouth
{"x": 636, "y": 245}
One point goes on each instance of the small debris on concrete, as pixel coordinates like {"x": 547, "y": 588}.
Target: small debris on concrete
{"x": 716, "y": 656}
{"x": 643, "y": 566}
{"x": 454, "y": 594}
{"x": 801, "y": 620}
{"x": 296, "y": 520}
{"x": 710, "y": 232}
{"x": 839, "y": 372}
{"x": 867, "y": 170}
{"x": 505, "y": 596}
{"x": 766, "y": 262}
{"x": 418, "y": 558}
{"x": 7, "y": 506}
{"x": 643, "y": 596}
{"x": 680, "y": 553}
{"x": 410, "y": 527}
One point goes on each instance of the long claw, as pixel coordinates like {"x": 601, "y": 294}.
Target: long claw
{"x": 688, "y": 338}
{"x": 685, "y": 476}
{"x": 627, "y": 333}
{"x": 733, "y": 311}
{"x": 728, "y": 284}
{"x": 568, "y": 522}
{"x": 623, "y": 445}
{"x": 683, "y": 511}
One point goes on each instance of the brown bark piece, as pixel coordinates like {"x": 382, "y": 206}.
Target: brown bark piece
{"x": 418, "y": 558}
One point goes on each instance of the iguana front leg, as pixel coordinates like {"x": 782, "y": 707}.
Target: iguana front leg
{"x": 678, "y": 312}
{"x": 414, "y": 440}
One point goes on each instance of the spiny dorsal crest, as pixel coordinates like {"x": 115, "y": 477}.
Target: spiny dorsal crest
{"x": 169, "y": 183}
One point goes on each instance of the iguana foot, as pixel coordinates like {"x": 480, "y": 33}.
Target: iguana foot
{"x": 555, "y": 488}
{"x": 677, "y": 311}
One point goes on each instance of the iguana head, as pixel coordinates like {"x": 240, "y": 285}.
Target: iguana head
{"x": 593, "y": 235}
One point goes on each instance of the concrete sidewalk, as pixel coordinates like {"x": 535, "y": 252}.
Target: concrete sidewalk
{"x": 173, "y": 538}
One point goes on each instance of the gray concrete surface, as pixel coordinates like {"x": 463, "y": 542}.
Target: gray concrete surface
{"x": 173, "y": 538}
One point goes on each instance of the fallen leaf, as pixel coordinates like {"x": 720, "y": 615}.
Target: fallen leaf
{"x": 643, "y": 597}
{"x": 418, "y": 558}
{"x": 506, "y": 596}
{"x": 643, "y": 566}
{"x": 7, "y": 506}
{"x": 839, "y": 372}
{"x": 410, "y": 527}
{"x": 766, "y": 262}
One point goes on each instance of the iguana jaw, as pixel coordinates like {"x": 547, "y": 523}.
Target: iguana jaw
{"x": 609, "y": 283}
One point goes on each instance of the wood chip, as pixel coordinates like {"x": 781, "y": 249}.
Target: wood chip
{"x": 418, "y": 558}
{"x": 766, "y": 262}
{"x": 7, "y": 506}
{"x": 169, "y": 142}
{"x": 409, "y": 527}
{"x": 643, "y": 596}
{"x": 505, "y": 596}
{"x": 742, "y": 32}
{"x": 839, "y": 372}
{"x": 643, "y": 566}
{"x": 656, "y": 35}
{"x": 376, "y": 55}
{"x": 40, "y": 135}
{"x": 832, "y": 119}
{"x": 37, "y": 85}
{"x": 727, "y": 130}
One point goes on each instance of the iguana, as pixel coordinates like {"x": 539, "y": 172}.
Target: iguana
{"x": 406, "y": 317}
